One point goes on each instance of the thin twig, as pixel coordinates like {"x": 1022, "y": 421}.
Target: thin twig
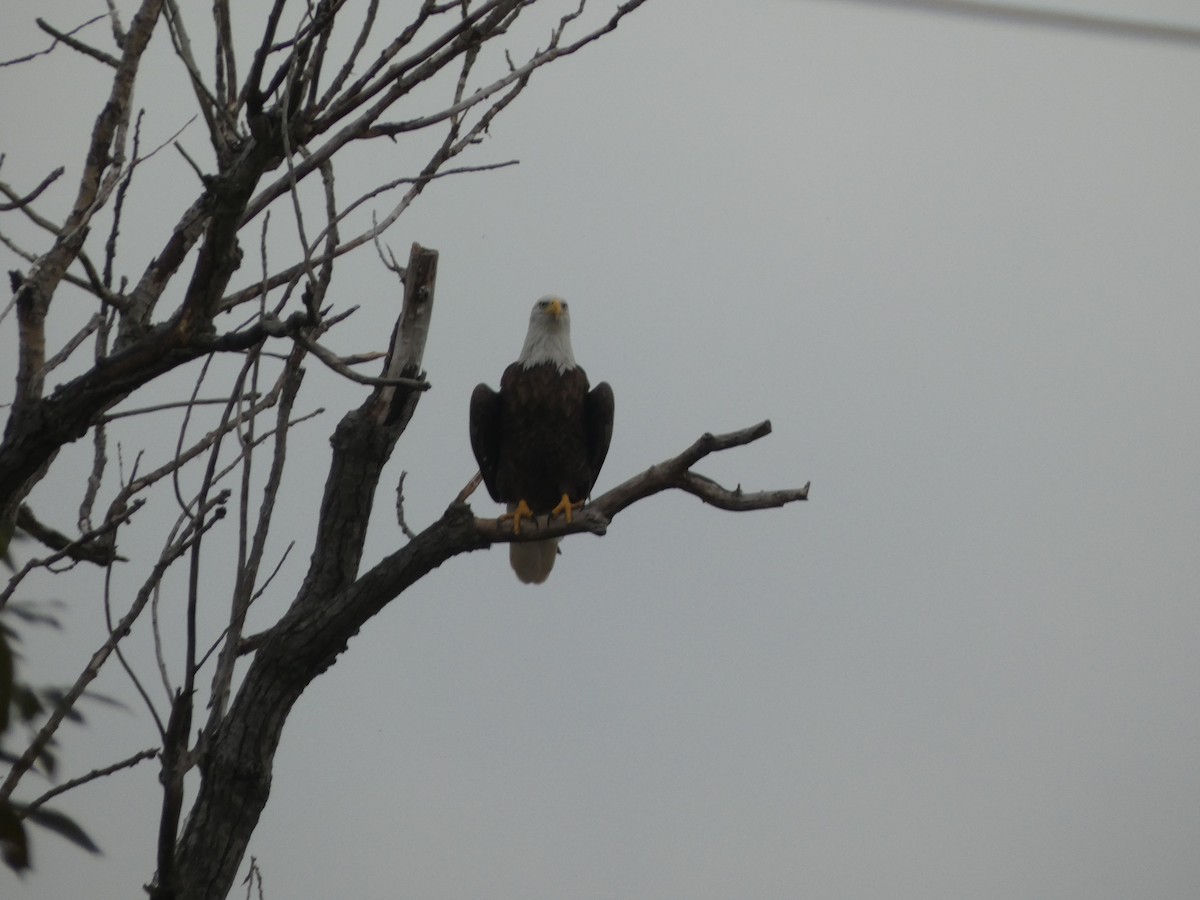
{"x": 93, "y": 775}
{"x": 99, "y": 434}
{"x": 22, "y": 202}
{"x": 408, "y": 532}
{"x": 73, "y": 344}
{"x": 351, "y": 58}
{"x": 92, "y": 669}
{"x": 124, "y": 663}
{"x": 285, "y": 136}
{"x": 110, "y": 245}
{"x": 178, "y": 404}
{"x": 136, "y": 485}
{"x": 335, "y": 363}
{"x": 209, "y": 107}
{"x": 66, "y": 548}
{"x": 78, "y": 45}
{"x": 286, "y": 275}
{"x": 250, "y": 557}
{"x": 183, "y": 426}
{"x": 51, "y": 48}
{"x": 262, "y": 589}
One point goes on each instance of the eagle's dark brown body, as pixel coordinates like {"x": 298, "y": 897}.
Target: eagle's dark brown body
{"x": 543, "y": 435}
{"x": 541, "y": 439}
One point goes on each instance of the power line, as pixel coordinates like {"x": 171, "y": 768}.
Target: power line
{"x": 1113, "y": 26}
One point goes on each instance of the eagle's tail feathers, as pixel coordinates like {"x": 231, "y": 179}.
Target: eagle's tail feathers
{"x": 532, "y": 561}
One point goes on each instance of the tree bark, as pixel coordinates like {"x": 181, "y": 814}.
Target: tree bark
{"x": 236, "y": 760}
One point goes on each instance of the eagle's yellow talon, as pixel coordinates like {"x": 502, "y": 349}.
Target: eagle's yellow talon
{"x": 566, "y": 508}
{"x": 521, "y": 512}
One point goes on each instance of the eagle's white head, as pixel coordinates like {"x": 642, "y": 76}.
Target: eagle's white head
{"x": 549, "y": 337}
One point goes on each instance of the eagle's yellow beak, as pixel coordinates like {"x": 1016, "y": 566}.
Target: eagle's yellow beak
{"x": 555, "y": 308}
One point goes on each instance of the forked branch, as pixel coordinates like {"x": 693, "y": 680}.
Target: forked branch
{"x": 671, "y": 474}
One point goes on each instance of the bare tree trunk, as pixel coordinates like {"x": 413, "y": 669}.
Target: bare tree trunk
{"x": 237, "y": 760}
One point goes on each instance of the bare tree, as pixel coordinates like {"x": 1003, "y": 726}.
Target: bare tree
{"x": 276, "y": 119}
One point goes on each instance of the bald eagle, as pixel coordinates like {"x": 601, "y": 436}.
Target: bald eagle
{"x": 541, "y": 439}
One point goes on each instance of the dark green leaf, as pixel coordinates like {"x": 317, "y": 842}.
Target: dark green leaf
{"x": 6, "y": 533}
{"x": 6, "y": 682}
{"x": 27, "y": 702}
{"x": 14, "y": 846}
{"x": 57, "y": 697}
{"x": 63, "y": 825}
{"x": 35, "y": 612}
{"x": 105, "y": 699}
{"x": 47, "y": 760}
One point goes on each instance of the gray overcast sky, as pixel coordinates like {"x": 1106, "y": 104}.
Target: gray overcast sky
{"x": 955, "y": 262}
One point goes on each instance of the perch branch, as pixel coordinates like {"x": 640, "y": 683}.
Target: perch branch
{"x": 672, "y": 474}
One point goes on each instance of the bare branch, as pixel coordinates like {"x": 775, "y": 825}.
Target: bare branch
{"x": 378, "y": 74}
{"x": 92, "y": 284}
{"x": 93, "y": 775}
{"x": 160, "y": 407}
{"x": 468, "y": 489}
{"x": 314, "y": 294}
{"x": 22, "y": 202}
{"x": 110, "y": 246}
{"x": 114, "y": 18}
{"x": 408, "y": 532}
{"x": 364, "y": 32}
{"x": 334, "y": 362}
{"x": 94, "y": 546}
{"x": 249, "y": 562}
{"x": 78, "y": 45}
{"x": 284, "y": 276}
{"x": 671, "y": 474}
{"x": 51, "y": 48}
{"x": 37, "y": 289}
{"x": 518, "y": 75}
{"x": 92, "y": 669}
{"x": 391, "y": 87}
{"x": 99, "y": 437}
{"x": 183, "y": 457}
{"x": 226, "y": 60}
{"x": 254, "y": 78}
{"x": 16, "y": 201}
{"x": 124, "y": 663}
{"x": 254, "y": 879}
{"x": 73, "y": 344}
{"x": 247, "y": 644}
{"x": 293, "y": 189}
{"x": 209, "y": 107}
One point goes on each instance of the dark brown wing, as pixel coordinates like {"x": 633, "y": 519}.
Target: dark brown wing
{"x": 598, "y": 412}
{"x": 486, "y": 413}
